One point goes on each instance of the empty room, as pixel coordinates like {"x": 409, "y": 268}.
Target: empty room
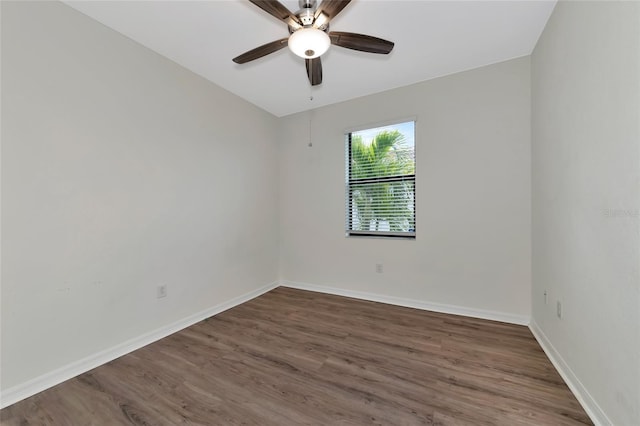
{"x": 366, "y": 212}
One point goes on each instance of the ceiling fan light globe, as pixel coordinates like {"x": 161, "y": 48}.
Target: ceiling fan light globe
{"x": 309, "y": 43}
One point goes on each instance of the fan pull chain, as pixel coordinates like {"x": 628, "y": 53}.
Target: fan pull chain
{"x": 310, "y": 144}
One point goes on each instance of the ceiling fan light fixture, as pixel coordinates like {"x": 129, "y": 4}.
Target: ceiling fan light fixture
{"x": 309, "y": 43}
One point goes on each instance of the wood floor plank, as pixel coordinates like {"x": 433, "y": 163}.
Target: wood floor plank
{"x": 293, "y": 357}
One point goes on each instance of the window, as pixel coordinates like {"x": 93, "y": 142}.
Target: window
{"x": 381, "y": 181}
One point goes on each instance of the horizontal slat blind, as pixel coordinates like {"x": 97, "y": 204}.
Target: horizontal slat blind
{"x": 380, "y": 188}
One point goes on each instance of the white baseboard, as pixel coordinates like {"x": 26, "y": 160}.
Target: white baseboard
{"x": 598, "y": 417}
{"x": 410, "y": 303}
{"x": 45, "y": 381}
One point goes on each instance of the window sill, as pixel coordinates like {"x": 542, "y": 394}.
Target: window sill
{"x": 385, "y": 236}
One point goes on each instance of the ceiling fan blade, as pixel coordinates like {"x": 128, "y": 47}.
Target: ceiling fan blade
{"x": 261, "y": 51}
{"x": 314, "y": 70}
{"x": 361, "y": 42}
{"x": 331, "y": 7}
{"x": 278, "y": 10}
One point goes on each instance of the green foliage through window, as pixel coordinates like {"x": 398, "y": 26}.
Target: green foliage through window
{"x": 381, "y": 181}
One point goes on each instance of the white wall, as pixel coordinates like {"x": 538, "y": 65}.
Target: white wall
{"x": 585, "y": 161}
{"x": 120, "y": 171}
{"x": 473, "y": 196}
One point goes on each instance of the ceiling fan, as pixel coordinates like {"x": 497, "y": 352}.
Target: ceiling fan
{"x": 309, "y": 35}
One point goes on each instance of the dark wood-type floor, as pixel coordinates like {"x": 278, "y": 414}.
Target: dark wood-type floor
{"x": 293, "y": 357}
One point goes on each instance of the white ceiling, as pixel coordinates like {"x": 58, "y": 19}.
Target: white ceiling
{"x": 432, "y": 39}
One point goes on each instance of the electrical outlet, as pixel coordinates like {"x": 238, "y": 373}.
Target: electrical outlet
{"x": 545, "y": 297}
{"x": 379, "y": 268}
{"x": 559, "y": 309}
{"x": 161, "y": 291}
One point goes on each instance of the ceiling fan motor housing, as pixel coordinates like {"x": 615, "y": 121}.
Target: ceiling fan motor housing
{"x": 306, "y": 12}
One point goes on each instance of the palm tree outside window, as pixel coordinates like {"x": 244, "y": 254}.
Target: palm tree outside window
{"x": 380, "y": 173}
